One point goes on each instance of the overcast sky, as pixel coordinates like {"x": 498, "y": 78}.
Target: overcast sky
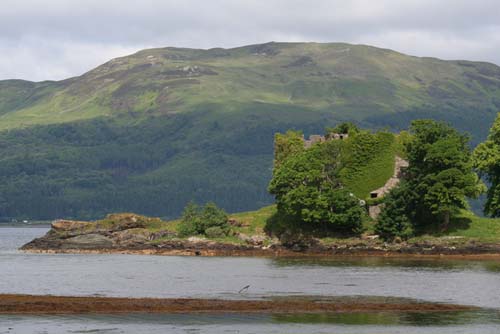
{"x": 56, "y": 39}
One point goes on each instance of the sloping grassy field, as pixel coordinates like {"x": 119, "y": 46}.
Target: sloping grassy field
{"x": 370, "y": 164}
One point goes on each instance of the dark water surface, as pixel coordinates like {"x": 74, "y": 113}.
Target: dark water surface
{"x": 463, "y": 282}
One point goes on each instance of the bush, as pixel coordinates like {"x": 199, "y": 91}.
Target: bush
{"x": 345, "y": 212}
{"x": 187, "y": 228}
{"x": 394, "y": 220}
{"x": 215, "y": 232}
{"x": 212, "y": 216}
{"x": 209, "y": 220}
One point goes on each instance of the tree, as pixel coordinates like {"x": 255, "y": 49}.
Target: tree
{"x": 346, "y": 127}
{"x": 440, "y": 174}
{"x": 394, "y": 220}
{"x": 309, "y": 193}
{"x": 285, "y": 145}
{"x": 487, "y": 162}
{"x": 190, "y": 221}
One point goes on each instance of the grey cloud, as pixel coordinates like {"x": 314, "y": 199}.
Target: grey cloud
{"x": 54, "y": 39}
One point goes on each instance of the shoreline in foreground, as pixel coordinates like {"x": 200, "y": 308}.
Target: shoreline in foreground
{"x": 47, "y": 304}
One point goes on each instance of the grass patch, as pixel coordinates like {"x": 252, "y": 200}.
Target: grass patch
{"x": 253, "y": 221}
{"x": 467, "y": 226}
{"x": 121, "y": 221}
{"x": 370, "y": 162}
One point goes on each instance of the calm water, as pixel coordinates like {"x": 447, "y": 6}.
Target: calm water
{"x": 462, "y": 282}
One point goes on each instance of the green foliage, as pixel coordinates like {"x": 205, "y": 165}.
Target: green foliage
{"x": 215, "y": 232}
{"x": 309, "y": 195}
{"x": 487, "y": 162}
{"x": 374, "y": 201}
{"x": 209, "y": 220}
{"x": 394, "y": 220}
{"x": 287, "y": 144}
{"x": 402, "y": 140}
{"x": 439, "y": 179}
{"x": 346, "y": 127}
{"x": 212, "y": 216}
{"x": 440, "y": 171}
{"x": 190, "y": 222}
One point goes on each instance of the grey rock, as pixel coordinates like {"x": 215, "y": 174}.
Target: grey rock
{"x": 87, "y": 241}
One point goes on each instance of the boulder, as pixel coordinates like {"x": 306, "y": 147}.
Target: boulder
{"x": 297, "y": 240}
{"x": 370, "y": 236}
{"x": 69, "y": 225}
{"x": 162, "y": 234}
{"x": 255, "y": 240}
{"x": 87, "y": 241}
{"x": 243, "y": 237}
{"x": 131, "y": 236}
{"x": 258, "y": 239}
{"x": 196, "y": 239}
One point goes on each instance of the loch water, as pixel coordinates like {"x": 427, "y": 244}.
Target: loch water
{"x": 474, "y": 283}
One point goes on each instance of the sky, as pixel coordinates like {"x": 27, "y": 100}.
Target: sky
{"x": 57, "y": 39}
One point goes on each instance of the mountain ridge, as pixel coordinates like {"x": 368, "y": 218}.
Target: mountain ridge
{"x": 303, "y": 74}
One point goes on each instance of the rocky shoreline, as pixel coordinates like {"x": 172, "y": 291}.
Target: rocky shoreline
{"x": 129, "y": 235}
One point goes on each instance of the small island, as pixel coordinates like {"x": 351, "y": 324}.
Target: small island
{"x": 350, "y": 192}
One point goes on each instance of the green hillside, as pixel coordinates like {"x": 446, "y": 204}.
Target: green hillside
{"x": 151, "y": 131}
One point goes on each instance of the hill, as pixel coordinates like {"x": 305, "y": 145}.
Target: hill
{"x": 151, "y": 131}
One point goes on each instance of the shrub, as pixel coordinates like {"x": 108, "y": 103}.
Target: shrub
{"x": 190, "y": 221}
{"x": 212, "y": 216}
{"x": 209, "y": 220}
{"x": 187, "y": 228}
{"x": 215, "y": 232}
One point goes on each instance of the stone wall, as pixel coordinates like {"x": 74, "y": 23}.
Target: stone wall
{"x": 399, "y": 166}
{"x": 313, "y": 139}
{"x": 374, "y": 210}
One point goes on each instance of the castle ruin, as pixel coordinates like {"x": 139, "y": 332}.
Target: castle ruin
{"x": 313, "y": 139}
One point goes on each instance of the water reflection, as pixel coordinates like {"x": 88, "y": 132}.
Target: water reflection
{"x": 436, "y": 264}
{"x": 484, "y": 322}
{"x": 393, "y": 319}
